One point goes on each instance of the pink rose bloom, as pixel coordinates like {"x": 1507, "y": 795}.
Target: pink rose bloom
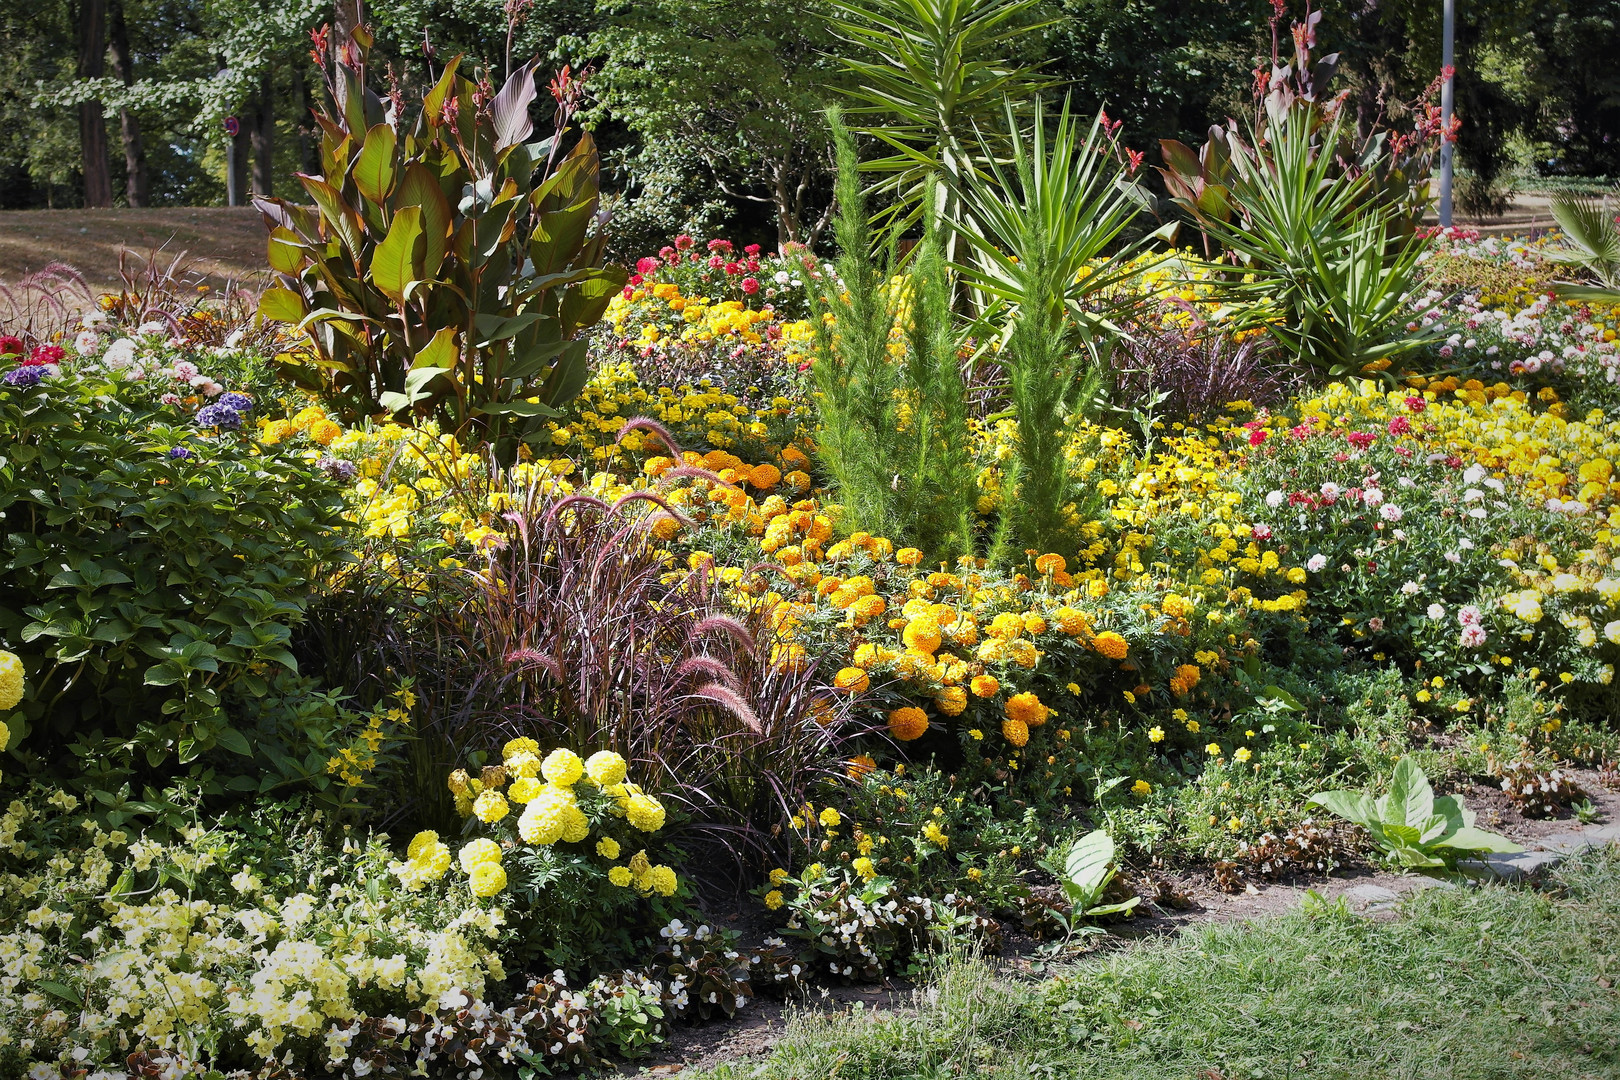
{"x": 750, "y": 285}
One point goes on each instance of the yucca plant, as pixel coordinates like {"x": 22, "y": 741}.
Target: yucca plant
{"x": 1592, "y": 245}
{"x": 927, "y": 72}
{"x": 1044, "y": 239}
{"x": 1325, "y": 269}
{"x": 449, "y": 266}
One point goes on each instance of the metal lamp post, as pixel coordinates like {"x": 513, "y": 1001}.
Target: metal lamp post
{"x": 1447, "y": 147}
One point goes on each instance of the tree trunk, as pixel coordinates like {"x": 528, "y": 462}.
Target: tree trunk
{"x": 92, "y": 123}
{"x": 264, "y": 133}
{"x": 129, "y": 124}
{"x": 309, "y": 158}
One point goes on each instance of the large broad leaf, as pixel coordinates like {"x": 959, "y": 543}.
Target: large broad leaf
{"x": 510, "y": 109}
{"x": 337, "y": 215}
{"x": 375, "y": 167}
{"x": 1468, "y": 838}
{"x": 533, "y": 360}
{"x": 433, "y": 104}
{"x": 1410, "y": 800}
{"x": 584, "y": 304}
{"x": 286, "y": 251}
{"x": 416, "y": 382}
{"x": 396, "y": 262}
{"x": 283, "y": 305}
{"x": 1088, "y": 865}
{"x": 419, "y": 188}
{"x": 1353, "y": 806}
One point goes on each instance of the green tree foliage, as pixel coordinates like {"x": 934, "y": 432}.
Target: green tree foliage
{"x": 726, "y": 94}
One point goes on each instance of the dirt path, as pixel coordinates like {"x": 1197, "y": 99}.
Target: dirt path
{"x": 223, "y": 245}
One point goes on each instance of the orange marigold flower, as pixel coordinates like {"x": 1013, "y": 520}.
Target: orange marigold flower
{"x": 1110, "y": 645}
{"x": 908, "y": 556}
{"x": 985, "y": 686}
{"x": 952, "y": 700}
{"x": 1015, "y": 731}
{"x": 1051, "y": 564}
{"x": 852, "y": 680}
{"x": 922, "y": 635}
{"x": 764, "y": 476}
{"x": 907, "y": 723}
{"x": 1027, "y": 709}
{"x": 859, "y": 765}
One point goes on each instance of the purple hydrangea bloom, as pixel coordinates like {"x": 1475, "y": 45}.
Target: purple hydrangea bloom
{"x": 179, "y": 453}
{"x": 219, "y": 415}
{"x": 236, "y": 402}
{"x": 25, "y": 376}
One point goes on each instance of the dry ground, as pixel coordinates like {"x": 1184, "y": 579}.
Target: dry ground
{"x": 223, "y": 245}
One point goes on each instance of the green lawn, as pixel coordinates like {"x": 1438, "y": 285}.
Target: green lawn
{"x": 1468, "y": 983}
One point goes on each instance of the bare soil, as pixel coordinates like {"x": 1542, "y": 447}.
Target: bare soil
{"x": 223, "y": 245}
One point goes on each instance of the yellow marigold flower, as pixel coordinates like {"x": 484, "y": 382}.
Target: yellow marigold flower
{"x": 1027, "y": 709}
{"x": 984, "y": 686}
{"x": 1015, "y": 731}
{"x": 908, "y": 556}
{"x": 644, "y": 812}
{"x": 324, "y": 432}
{"x": 523, "y": 789}
{"x": 951, "y": 701}
{"x": 773, "y": 900}
{"x": 420, "y": 843}
{"x": 907, "y": 723}
{"x": 1242, "y": 753}
{"x": 620, "y": 876}
{"x": 1213, "y": 749}
{"x": 1051, "y": 564}
{"x": 487, "y": 879}
{"x": 1110, "y": 645}
{"x": 922, "y": 635}
{"x": 562, "y": 767}
{"x": 935, "y": 835}
{"x": 852, "y": 680}
{"x": 778, "y": 876}
{"x": 1156, "y": 734}
{"x": 662, "y": 880}
{"x": 490, "y": 807}
{"x": 607, "y": 847}
{"x": 1141, "y": 787}
{"x": 865, "y": 867}
{"x": 606, "y": 768}
{"x": 976, "y": 735}
{"x": 474, "y": 852}
{"x": 521, "y": 745}
{"x": 829, "y": 818}
{"x": 11, "y": 680}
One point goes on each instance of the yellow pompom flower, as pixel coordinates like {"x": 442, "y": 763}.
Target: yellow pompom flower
{"x": 984, "y": 686}
{"x": 830, "y": 818}
{"x": 605, "y": 768}
{"x": 522, "y": 745}
{"x": 951, "y": 701}
{"x": 773, "y": 899}
{"x": 662, "y": 880}
{"x": 11, "y": 680}
{"x": 420, "y": 843}
{"x": 865, "y": 868}
{"x": 523, "y": 789}
{"x": 620, "y": 876}
{"x": 490, "y": 807}
{"x": 476, "y": 852}
{"x": 922, "y": 635}
{"x": 1015, "y": 731}
{"x": 644, "y": 812}
{"x": 607, "y": 847}
{"x": 562, "y": 767}
{"x": 487, "y": 879}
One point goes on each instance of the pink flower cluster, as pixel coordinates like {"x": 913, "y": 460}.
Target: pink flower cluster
{"x": 1471, "y": 619}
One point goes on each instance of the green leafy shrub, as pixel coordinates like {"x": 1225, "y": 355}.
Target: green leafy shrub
{"x": 448, "y": 266}
{"x": 151, "y": 564}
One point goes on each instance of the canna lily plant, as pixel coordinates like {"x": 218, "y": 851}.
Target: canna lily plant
{"x": 449, "y": 265}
